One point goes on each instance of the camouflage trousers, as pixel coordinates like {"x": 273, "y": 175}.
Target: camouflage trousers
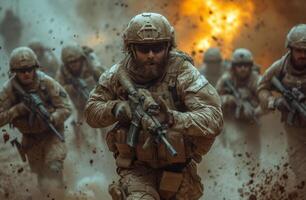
{"x": 144, "y": 183}
{"x": 45, "y": 154}
{"x": 296, "y": 138}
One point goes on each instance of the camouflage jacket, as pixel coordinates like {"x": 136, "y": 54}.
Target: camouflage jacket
{"x": 51, "y": 93}
{"x": 289, "y": 77}
{"x": 246, "y": 90}
{"x": 90, "y": 78}
{"x": 198, "y": 115}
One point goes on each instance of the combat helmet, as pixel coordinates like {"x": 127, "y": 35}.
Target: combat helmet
{"x": 36, "y": 46}
{"x": 148, "y": 28}
{"x": 242, "y": 55}
{"x": 21, "y": 58}
{"x": 296, "y": 38}
{"x": 212, "y": 55}
{"x": 71, "y": 52}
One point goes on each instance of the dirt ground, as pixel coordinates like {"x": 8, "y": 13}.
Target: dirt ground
{"x": 227, "y": 175}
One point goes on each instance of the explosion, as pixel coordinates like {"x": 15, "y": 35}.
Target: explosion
{"x": 215, "y": 23}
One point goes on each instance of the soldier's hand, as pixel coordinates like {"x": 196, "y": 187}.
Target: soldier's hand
{"x": 122, "y": 111}
{"x": 248, "y": 112}
{"x": 228, "y": 101}
{"x": 18, "y": 110}
{"x": 165, "y": 115}
{"x": 147, "y": 123}
{"x": 281, "y": 104}
{"x": 55, "y": 119}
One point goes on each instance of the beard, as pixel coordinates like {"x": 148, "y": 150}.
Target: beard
{"x": 299, "y": 64}
{"x": 147, "y": 71}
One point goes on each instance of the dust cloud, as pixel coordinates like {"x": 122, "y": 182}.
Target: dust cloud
{"x": 99, "y": 24}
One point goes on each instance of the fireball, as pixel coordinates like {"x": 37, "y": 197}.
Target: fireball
{"x": 217, "y": 23}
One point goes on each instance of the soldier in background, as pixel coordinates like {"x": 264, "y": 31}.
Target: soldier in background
{"x": 41, "y": 147}
{"x": 290, "y": 73}
{"x": 213, "y": 65}
{"x": 78, "y": 76}
{"x": 156, "y": 93}
{"x": 255, "y": 67}
{"x": 48, "y": 61}
{"x": 11, "y": 30}
{"x": 240, "y": 104}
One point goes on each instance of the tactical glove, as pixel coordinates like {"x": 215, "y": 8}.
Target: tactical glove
{"x": 122, "y": 111}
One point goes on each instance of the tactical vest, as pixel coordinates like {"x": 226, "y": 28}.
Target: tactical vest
{"x": 292, "y": 80}
{"x": 156, "y": 155}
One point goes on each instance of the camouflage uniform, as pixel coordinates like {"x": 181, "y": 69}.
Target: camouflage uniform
{"x": 213, "y": 65}
{"x": 152, "y": 173}
{"x": 88, "y": 74}
{"x": 45, "y": 152}
{"x": 46, "y": 58}
{"x": 248, "y": 131}
{"x": 290, "y": 77}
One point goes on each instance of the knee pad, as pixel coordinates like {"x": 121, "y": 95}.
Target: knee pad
{"x": 55, "y": 166}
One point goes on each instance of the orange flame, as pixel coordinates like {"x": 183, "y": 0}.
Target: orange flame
{"x": 217, "y": 23}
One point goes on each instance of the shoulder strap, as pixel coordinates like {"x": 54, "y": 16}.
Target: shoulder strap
{"x": 173, "y": 75}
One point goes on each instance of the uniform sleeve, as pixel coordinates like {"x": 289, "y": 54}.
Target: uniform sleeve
{"x": 60, "y": 101}
{"x": 264, "y": 86}
{"x": 98, "y": 110}
{"x": 225, "y": 96}
{"x": 203, "y": 116}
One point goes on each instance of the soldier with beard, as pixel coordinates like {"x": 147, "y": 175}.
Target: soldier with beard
{"x": 175, "y": 106}
{"x": 78, "y": 77}
{"x": 237, "y": 89}
{"x": 290, "y": 71}
{"x": 46, "y": 58}
{"x": 37, "y": 106}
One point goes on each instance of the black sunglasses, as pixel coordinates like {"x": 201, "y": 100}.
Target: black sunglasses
{"x": 24, "y": 70}
{"x": 239, "y": 65}
{"x": 146, "y": 48}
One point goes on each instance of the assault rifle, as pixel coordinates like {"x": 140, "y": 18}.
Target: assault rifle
{"x": 137, "y": 102}
{"x": 240, "y": 103}
{"x": 35, "y": 105}
{"x": 295, "y": 99}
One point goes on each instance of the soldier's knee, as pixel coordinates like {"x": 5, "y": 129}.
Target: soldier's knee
{"x": 119, "y": 192}
{"x": 55, "y": 167}
{"x": 140, "y": 196}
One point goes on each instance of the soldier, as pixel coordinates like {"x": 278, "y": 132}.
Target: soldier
{"x": 160, "y": 100}
{"x": 237, "y": 89}
{"x": 37, "y": 106}
{"x": 46, "y": 57}
{"x": 11, "y": 30}
{"x": 78, "y": 77}
{"x": 213, "y": 65}
{"x": 255, "y": 67}
{"x": 289, "y": 72}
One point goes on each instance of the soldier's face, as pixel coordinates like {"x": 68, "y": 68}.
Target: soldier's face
{"x": 150, "y": 59}
{"x": 242, "y": 70}
{"x": 75, "y": 67}
{"x": 299, "y": 58}
{"x": 26, "y": 76}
